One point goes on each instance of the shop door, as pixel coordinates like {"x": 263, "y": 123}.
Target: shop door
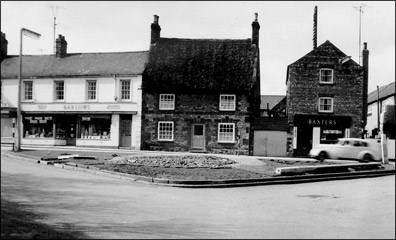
{"x": 198, "y": 139}
{"x": 304, "y": 141}
{"x": 125, "y": 131}
{"x": 71, "y": 131}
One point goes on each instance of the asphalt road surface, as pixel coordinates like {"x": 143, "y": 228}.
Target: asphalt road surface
{"x": 103, "y": 207}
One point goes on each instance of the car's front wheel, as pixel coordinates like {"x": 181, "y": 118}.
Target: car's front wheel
{"x": 367, "y": 157}
{"x": 321, "y": 156}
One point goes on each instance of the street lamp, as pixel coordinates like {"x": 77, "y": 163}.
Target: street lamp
{"x": 18, "y": 135}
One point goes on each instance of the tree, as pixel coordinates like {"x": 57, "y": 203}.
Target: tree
{"x": 389, "y": 127}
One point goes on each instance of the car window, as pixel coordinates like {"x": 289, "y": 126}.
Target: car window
{"x": 356, "y": 144}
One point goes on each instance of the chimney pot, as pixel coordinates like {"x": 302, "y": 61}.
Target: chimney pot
{"x": 156, "y": 19}
{"x": 255, "y": 31}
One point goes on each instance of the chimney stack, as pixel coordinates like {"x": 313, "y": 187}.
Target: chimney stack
{"x": 315, "y": 24}
{"x": 4, "y": 46}
{"x": 255, "y": 31}
{"x": 365, "y": 56}
{"x": 155, "y": 30}
{"x": 61, "y": 47}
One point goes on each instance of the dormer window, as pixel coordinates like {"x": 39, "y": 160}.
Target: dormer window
{"x": 326, "y": 76}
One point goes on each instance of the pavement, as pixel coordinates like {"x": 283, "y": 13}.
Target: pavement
{"x": 250, "y": 163}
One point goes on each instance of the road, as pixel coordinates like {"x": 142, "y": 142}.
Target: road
{"x": 103, "y": 207}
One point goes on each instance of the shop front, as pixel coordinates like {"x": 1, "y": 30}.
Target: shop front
{"x": 310, "y": 130}
{"x": 77, "y": 125}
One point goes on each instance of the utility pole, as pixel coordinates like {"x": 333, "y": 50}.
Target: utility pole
{"x": 360, "y": 9}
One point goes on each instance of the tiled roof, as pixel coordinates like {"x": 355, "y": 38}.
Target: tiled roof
{"x": 272, "y": 100}
{"x": 384, "y": 92}
{"x": 200, "y": 65}
{"x": 77, "y": 64}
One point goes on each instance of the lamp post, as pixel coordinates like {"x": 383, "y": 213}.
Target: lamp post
{"x": 18, "y": 134}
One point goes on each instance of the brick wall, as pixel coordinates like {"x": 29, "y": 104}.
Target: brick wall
{"x": 190, "y": 109}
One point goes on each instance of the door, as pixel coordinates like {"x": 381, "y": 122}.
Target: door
{"x": 198, "y": 136}
{"x": 125, "y": 130}
{"x": 71, "y": 131}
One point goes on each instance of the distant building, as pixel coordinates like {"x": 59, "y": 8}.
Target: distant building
{"x": 326, "y": 98}
{"x": 200, "y": 94}
{"x": 268, "y": 102}
{"x": 386, "y": 97}
{"x": 76, "y": 99}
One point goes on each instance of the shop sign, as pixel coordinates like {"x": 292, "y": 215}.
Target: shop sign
{"x": 322, "y": 121}
{"x": 85, "y": 118}
{"x": 42, "y": 121}
{"x": 75, "y": 107}
{"x": 48, "y": 118}
{"x": 42, "y": 107}
{"x": 34, "y": 121}
{"x": 113, "y": 107}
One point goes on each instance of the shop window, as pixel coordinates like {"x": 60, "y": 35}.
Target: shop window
{"x": 326, "y": 76}
{"x": 28, "y": 90}
{"x": 95, "y": 127}
{"x": 227, "y": 102}
{"x": 326, "y": 104}
{"x": 59, "y": 90}
{"x": 330, "y": 136}
{"x": 38, "y": 127}
{"x": 369, "y": 110}
{"x": 91, "y": 89}
{"x": 125, "y": 89}
{"x": 167, "y": 102}
{"x": 226, "y": 132}
{"x": 165, "y": 131}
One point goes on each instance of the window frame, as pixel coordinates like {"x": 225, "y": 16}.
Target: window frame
{"x": 55, "y": 90}
{"x": 221, "y": 106}
{"x": 320, "y": 76}
{"x": 172, "y": 124}
{"x": 162, "y": 102}
{"x": 88, "y": 90}
{"x": 24, "y": 91}
{"x": 233, "y": 133}
{"x": 121, "y": 90}
{"x": 331, "y": 105}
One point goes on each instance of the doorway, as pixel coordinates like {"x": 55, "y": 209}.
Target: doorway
{"x": 70, "y": 130}
{"x": 125, "y": 130}
{"x": 198, "y": 136}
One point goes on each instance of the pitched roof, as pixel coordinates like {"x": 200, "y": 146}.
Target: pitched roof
{"x": 200, "y": 65}
{"x": 76, "y": 64}
{"x": 272, "y": 101}
{"x": 384, "y": 92}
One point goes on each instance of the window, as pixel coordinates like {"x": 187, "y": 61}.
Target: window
{"x": 326, "y": 76}
{"x": 167, "y": 102}
{"x": 326, "y": 104}
{"x": 227, "y": 102}
{"x": 369, "y": 110}
{"x": 94, "y": 127}
{"x": 226, "y": 132}
{"x": 91, "y": 87}
{"x": 125, "y": 89}
{"x": 28, "y": 90}
{"x": 37, "y": 126}
{"x": 165, "y": 131}
{"x": 59, "y": 90}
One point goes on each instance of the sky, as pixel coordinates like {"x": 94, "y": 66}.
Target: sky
{"x": 286, "y": 29}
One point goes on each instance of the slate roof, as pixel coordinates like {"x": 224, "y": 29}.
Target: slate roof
{"x": 273, "y": 100}
{"x": 200, "y": 65}
{"x": 384, "y": 92}
{"x": 76, "y": 64}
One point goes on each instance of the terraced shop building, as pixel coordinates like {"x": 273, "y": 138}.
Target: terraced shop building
{"x": 326, "y": 98}
{"x": 77, "y": 99}
{"x": 200, "y": 94}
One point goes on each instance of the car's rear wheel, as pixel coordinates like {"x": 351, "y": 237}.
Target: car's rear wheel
{"x": 367, "y": 157}
{"x": 321, "y": 156}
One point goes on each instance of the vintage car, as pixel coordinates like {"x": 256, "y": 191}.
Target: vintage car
{"x": 348, "y": 148}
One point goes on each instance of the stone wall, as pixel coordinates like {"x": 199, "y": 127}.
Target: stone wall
{"x": 192, "y": 109}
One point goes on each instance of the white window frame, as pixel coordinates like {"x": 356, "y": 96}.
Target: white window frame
{"x": 220, "y": 138}
{"x": 55, "y": 91}
{"x": 321, "y": 76}
{"x": 167, "y": 102}
{"x": 130, "y": 89}
{"x": 96, "y": 90}
{"x": 24, "y": 91}
{"x": 321, "y": 103}
{"x": 160, "y": 136}
{"x": 230, "y": 106}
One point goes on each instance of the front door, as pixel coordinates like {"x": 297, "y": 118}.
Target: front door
{"x": 125, "y": 130}
{"x": 71, "y": 131}
{"x": 198, "y": 136}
